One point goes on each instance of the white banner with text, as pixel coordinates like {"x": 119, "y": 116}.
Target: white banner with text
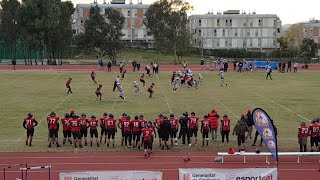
{"x": 229, "y": 174}
{"x": 112, "y": 175}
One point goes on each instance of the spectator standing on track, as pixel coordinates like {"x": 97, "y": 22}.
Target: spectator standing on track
{"x": 279, "y": 66}
{"x": 109, "y": 66}
{"x": 134, "y": 65}
{"x": 283, "y": 67}
{"x": 14, "y": 63}
{"x": 240, "y": 130}
{"x": 303, "y": 133}
{"x": 201, "y": 64}
{"x": 289, "y": 66}
{"x": 295, "y": 67}
{"x": 138, "y": 65}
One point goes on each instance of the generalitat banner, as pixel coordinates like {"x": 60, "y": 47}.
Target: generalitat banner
{"x": 228, "y": 174}
{"x": 112, "y": 175}
{"x": 264, "y": 125}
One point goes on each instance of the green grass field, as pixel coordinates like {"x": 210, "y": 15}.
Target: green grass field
{"x": 288, "y": 99}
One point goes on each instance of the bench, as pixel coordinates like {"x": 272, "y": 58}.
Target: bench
{"x": 267, "y": 154}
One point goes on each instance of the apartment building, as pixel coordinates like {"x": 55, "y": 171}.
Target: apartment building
{"x": 311, "y": 30}
{"x": 134, "y": 29}
{"x": 234, "y": 30}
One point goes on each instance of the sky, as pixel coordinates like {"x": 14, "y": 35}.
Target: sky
{"x": 289, "y": 11}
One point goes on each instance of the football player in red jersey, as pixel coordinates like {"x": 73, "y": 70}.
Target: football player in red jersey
{"x": 103, "y": 128}
{"x": 193, "y": 128}
{"x": 158, "y": 122}
{"x": 98, "y": 93}
{"x": 93, "y": 77}
{"x": 174, "y": 129}
{"x": 127, "y": 131}
{"x": 66, "y": 128}
{"x": 147, "y": 134}
{"x": 120, "y": 126}
{"x": 314, "y": 129}
{"x": 75, "y": 129}
{"x": 53, "y": 126}
{"x": 154, "y": 135}
{"x": 29, "y": 123}
{"x": 136, "y": 131}
{"x": 84, "y": 127}
{"x": 303, "y": 133}
{"x": 142, "y": 80}
{"x": 205, "y": 129}
{"x": 93, "y": 124}
{"x": 150, "y": 90}
{"x": 143, "y": 123}
{"x": 225, "y": 128}
{"x": 111, "y": 128}
{"x": 68, "y": 85}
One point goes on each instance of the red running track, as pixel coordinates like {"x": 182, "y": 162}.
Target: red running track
{"x": 116, "y": 68}
{"x": 167, "y": 162}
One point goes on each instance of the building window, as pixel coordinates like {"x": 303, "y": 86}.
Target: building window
{"x": 230, "y": 44}
{"x": 128, "y": 14}
{"x": 250, "y": 42}
{"x": 218, "y": 22}
{"x": 274, "y": 22}
{"x": 195, "y": 31}
{"x": 195, "y": 41}
{"x": 199, "y": 32}
{"x": 259, "y": 42}
{"x": 244, "y": 24}
{"x": 236, "y": 34}
{"x": 135, "y": 12}
{"x": 218, "y": 44}
{"x": 248, "y": 33}
{"x": 226, "y": 43}
{"x": 256, "y": 33}
{"x": 244, "y": 44}
{"x": 81, "y": 21}
{"x": 226, "y": 22}
{"x": 215, "y": 32}
{"x": 223, "y": 33}
{"x": 260, "y": 22}
{"x": 278, "y": 29}
{"x": 230, "y": 22}
{"x": 251, "y": 24}
{"x": 199, "y": 23}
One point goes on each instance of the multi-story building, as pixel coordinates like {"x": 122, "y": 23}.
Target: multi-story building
{"x": 311, "y": 30}
{"x": 134, "y": 29}
{"x": 232, "y": 30}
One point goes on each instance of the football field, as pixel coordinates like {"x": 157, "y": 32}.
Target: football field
{"x": 288, "y": 99}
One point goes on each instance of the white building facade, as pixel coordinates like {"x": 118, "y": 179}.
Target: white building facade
{"x": 134, "y": 29}
{"x": 232, "y": 30}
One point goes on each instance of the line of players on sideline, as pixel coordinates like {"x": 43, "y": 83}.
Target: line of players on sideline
{"x": 133, "y": 134}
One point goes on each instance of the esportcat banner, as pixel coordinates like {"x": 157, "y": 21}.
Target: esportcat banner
{"x": 229, "y": 174}
{"x": 263, "y": 124}
{"x": 112, "y": 175}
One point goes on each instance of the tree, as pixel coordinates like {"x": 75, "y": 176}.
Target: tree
{"x": 103, "y": 33}
{"x": 293, "y": 36}
{"x": 309, "y": 48}
{"x": 9, "y": 24}
{"x": 167, "y": 22}
{"x": 283, "y": 41}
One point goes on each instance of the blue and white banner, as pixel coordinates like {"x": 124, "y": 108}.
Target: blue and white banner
{"x": 228, "y": 174}
{"x": 263, "y": 124}
{"x": 112, "y": 175}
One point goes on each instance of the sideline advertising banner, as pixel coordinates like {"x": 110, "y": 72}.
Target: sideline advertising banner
{"x": 263, "y": 124}
{"x": 112, "y": 175}
{"x": 229, "y": 174}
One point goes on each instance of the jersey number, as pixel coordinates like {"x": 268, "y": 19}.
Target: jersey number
{"x": 136, "y": 124}
{"x": 126, "y": 124}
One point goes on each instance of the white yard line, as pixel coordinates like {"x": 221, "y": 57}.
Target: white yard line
{"x": 14, "y": 80}
{"x": 282, "y": 106}
{"x": 165, "y": 97}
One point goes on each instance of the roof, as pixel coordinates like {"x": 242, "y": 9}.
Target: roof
{"x": 233, "y": 16}
{"x": 143, "y": 6}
